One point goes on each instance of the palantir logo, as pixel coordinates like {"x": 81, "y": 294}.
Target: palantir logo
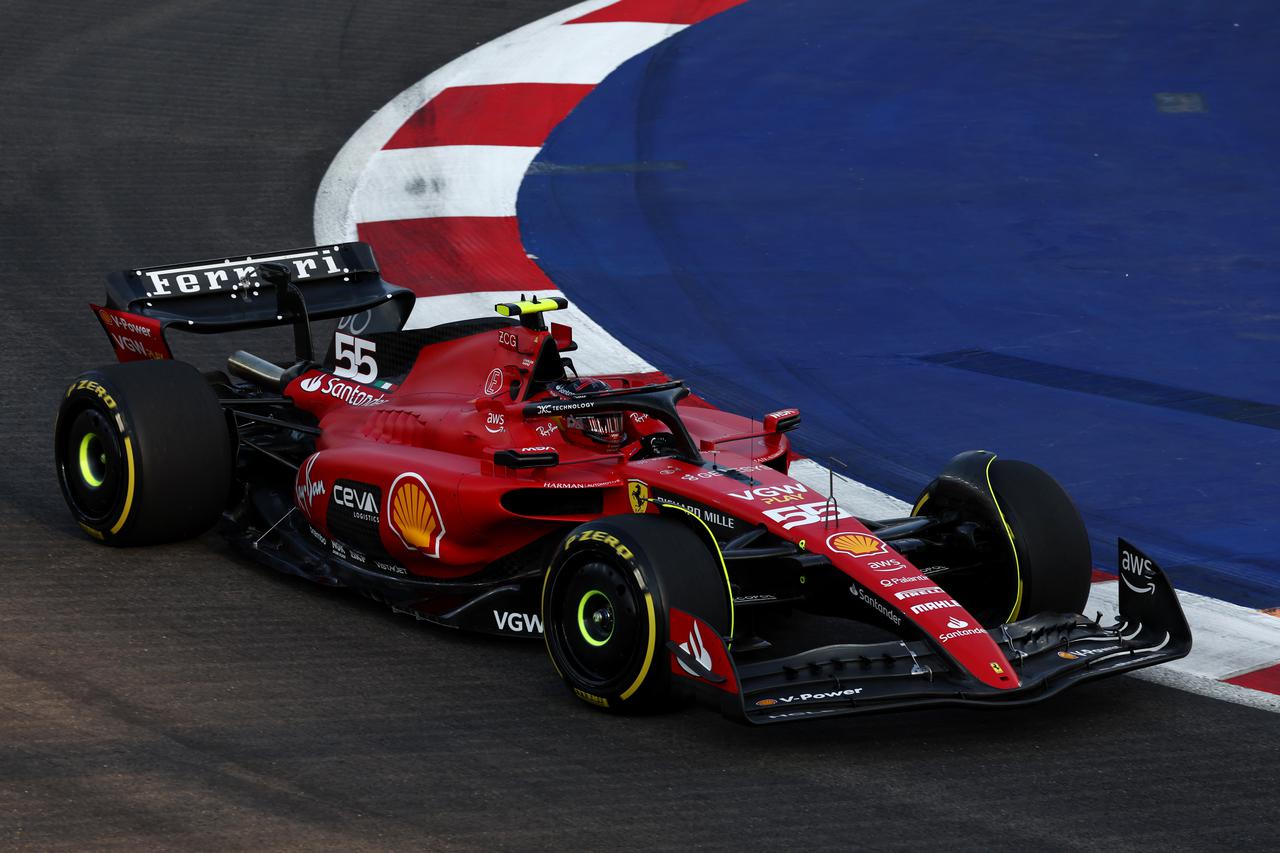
{"x": 698, "y": 650}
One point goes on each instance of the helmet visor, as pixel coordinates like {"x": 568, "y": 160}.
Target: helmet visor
{"x": 606, "y": 429}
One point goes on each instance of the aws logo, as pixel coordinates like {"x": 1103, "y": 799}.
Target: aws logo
{"x": 414, "y": 516}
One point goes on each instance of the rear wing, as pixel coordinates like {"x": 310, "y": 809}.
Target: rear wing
{"x": 223, "y": 294}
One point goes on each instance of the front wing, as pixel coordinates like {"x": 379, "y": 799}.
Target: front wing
{"x": 1048, "y": 653}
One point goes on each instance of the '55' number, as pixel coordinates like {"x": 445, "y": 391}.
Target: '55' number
{"x": 353, "y": 358}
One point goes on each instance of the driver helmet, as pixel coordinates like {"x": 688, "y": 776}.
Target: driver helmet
{"x": 602, "y": 429}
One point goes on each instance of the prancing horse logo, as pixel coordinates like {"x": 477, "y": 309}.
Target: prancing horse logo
{"x": 638, "y": 493}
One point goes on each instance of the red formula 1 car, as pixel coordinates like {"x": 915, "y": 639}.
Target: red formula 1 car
{"x": 466, "y": 474}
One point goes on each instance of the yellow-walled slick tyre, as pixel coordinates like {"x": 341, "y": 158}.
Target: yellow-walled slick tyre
{"x": 1039, "y": 559}
{"x": 605, "y": 602}
{"x": 143, "y": 452}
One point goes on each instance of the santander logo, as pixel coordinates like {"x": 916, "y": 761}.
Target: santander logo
{"x": 959, "y": 628}
{"x": 349, "y": 393}
{"x": 697, "y": 649}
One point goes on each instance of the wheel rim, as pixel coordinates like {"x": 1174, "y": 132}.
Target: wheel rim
{"x": 91, "y": 466}
{"x": 93, "y": 460}
{"x": 598, "y": 626}
{"x": 595, "y": 617}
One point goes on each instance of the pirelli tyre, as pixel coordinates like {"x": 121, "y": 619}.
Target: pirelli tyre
{"x": 1034, "y": 546}
{"x": 143, "y": 452}
{"x": 605, "y": 604}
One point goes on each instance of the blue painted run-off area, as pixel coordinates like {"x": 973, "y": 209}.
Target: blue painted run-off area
{"x": 1049, "y": 230}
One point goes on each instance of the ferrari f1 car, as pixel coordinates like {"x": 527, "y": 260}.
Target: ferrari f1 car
{"x": 466, "y": 474}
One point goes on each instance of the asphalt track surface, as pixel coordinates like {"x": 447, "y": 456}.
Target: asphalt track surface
{"x": 182, "y": 697}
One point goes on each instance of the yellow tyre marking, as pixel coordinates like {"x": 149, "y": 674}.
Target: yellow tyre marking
{"x": 128, "y": 495}
{"x": 648, "y": 656}
{"x": 1017, "y": 567}
{"x": 546, "y": 629}
{"x": 915, "y": 510}
{"x": 719, "y": 557}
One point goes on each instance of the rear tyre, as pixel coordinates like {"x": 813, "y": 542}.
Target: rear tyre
{"x": 143, "y": 452}
{"x": 605, "y": 604}
{"x": 1039, "y": 559}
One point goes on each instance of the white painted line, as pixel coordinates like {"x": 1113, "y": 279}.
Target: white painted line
{"x": 444, "y": 180}
{"x": 333, "y": 218}
{"x": 1169, "y": 675}
{"x": 858, "y": 498}
{"x": 578, "y": 53}
{"x": 1226, "y": 639}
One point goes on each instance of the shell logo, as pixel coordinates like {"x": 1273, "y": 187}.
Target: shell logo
{"x": 765, "y": 703}
{"x": 857, "y": 544}
{"x": 414, "y": 516}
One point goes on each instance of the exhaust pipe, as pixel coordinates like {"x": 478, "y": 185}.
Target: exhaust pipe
{"x": 263, "y": 373}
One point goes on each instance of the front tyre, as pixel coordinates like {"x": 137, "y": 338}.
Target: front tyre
{"x": 1035, "y": 554}
{"x": 1050, "y": 539}
{"x": 142, "y": 452}
{"x": 605, "y": 602}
